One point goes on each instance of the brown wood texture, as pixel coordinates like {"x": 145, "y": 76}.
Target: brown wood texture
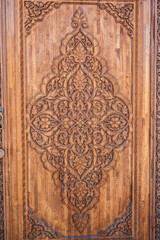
{"x": 79, "y": 119}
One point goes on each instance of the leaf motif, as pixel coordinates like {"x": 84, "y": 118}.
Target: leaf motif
{"x": 79, "y": 121}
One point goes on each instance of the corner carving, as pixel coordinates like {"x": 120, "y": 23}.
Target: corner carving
{"x": 78, "y": 121}
{"x": 39, "y": 229}
{"x": 36, "y": 11}
{"x": 122, "y": 227}
{"x": 122, "y": 13}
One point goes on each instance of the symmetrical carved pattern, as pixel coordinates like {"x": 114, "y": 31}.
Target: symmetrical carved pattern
{"x": 77, "y": 122}
{"x": 121, "y": 227}
{"x": 157, "y": 203}
{"x": 39, "y": 229}
{"x": 122, "y": 14}
{"x": 36, "y": 11}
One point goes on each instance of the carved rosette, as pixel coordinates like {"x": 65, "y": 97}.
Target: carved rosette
{"x": 77, "y": 122}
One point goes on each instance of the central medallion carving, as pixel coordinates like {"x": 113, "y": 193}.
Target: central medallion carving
{"x": 77, "y": 122}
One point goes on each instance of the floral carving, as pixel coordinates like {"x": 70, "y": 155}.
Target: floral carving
{"x": 121, "y": 227}
{"x": 36, "y": 11}
{"x": 77, "y": 122}
{"x": 122, "y": 13}
{"x": 39, "y": 229}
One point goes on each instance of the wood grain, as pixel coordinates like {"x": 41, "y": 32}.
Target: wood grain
{"x": 77, "y": 120}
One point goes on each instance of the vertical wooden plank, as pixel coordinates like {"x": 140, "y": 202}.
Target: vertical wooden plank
{"x": 143, "y": 118}
{"x": 12, "y": 123}
{"x": 142, "y": 115}
{"x": 3, "y": 177}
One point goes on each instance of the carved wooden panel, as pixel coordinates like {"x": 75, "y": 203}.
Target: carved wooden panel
{"x": 77, "y": 143}
{"x": 77, "y": 122}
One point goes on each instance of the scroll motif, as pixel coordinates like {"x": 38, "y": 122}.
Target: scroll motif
{"x": 122, "y": 14}
{"x": 39, "y": 229}
{"x": 121, "y": 227}
{"x": 77, "y": 122}
{"x": 36, "y": 11}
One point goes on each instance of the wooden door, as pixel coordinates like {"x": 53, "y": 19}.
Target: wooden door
{"x": 76, "y": 96}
